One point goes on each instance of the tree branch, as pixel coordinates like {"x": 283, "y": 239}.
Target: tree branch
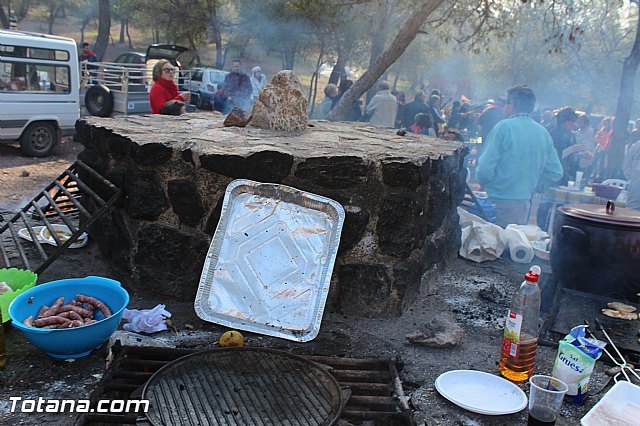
{"x": 402, "y": 40}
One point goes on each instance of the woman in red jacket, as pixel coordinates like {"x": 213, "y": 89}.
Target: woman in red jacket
{"x": 164, "y": 89}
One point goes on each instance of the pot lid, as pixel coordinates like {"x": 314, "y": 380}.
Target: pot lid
{"x": 609, "y": 214}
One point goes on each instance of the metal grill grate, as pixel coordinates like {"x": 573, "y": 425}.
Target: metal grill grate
{"x": 377, "y": 397}
{"x": 61, "y": 201}
{"x": 242, "y": 386}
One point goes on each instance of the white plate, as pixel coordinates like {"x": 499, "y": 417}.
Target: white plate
{"x": 481, "y": 392}
{"x": 45, "y": 237}
{"x": 619, "y": 406}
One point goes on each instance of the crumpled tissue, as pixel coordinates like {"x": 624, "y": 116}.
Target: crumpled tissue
{"x": 146, "y": 320}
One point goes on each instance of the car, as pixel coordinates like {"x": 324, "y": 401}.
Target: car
{"x": 134, "y": 62}
{"x": 130, "y": 58}
{"x": 204, "y": 83}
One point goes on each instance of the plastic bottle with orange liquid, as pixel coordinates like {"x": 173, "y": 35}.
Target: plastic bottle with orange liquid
{"x": 520, "y": 340}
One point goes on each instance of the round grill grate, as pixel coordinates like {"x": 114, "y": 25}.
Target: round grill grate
{"x": 243, "y": 386}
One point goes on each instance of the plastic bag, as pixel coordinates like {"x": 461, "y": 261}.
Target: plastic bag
{"x": 577, "y": 355}
{"x": 146, "y": 320}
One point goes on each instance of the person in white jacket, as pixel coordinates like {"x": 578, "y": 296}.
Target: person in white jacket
{"x": 631, "y": 168}
{"x": 383, "y": 107}
{"x": 258, "y": 81}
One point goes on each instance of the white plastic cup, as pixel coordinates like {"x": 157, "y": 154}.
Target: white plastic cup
{"x": 579, "y": 176}
{"x": 545, "y": 399}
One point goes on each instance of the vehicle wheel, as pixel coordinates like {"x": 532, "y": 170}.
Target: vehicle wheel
{"x": 99, "y": 101}
{"x": 39, "y": 139}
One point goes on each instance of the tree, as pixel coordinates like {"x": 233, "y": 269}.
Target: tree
{"x": 403, "y": 39}
{"x": 4, "y": 21}
{"x": 625, "y": 101}
{"x": 104, "y": 28}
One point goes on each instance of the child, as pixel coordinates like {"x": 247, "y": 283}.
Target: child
{"x": 423, "y": 125}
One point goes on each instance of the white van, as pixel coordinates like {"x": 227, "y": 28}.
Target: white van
{"x": 39, "y": 90}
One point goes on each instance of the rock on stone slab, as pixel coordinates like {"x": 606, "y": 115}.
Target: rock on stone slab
{"x": 281, "y": 104}
{"x": 237, "y": 118}
{"x": 439, "y": 333}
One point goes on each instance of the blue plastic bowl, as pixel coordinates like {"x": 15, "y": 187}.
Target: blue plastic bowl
{"x": 70, "y": 342}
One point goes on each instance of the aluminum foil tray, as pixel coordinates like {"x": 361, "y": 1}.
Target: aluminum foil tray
{"x": 269, "y": 264}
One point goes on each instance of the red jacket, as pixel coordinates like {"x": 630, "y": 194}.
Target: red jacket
{"x": 162, "y": 92}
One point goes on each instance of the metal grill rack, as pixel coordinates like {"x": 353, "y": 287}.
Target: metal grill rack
{"x": 77, "y": 198}
{"x": 377, "y": 397}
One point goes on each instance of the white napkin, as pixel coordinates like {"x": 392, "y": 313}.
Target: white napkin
{"x": 146, "y": 320}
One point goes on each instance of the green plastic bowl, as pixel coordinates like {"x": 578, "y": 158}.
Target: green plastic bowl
{"x": 19, "y": 280}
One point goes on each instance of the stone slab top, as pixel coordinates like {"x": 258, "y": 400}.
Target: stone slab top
{"x": 204, "y": 133}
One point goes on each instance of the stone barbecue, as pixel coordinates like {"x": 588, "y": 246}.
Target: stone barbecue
{"x": 399, "y": 192}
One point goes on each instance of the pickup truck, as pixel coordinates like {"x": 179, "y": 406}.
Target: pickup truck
{"x": 108, "y": 88}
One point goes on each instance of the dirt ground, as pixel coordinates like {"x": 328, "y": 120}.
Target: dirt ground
{"x": 474, "y": 296}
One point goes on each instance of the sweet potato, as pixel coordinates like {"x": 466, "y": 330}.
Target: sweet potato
{"x": 95, "y": 302}
{"x": 28, "y": 321}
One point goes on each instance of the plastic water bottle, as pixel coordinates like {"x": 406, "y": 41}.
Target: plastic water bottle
{"x": 520, "y": 340}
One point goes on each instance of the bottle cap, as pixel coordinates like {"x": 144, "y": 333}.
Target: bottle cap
{"x": 534, "y": 274}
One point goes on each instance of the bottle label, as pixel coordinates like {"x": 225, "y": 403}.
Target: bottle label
{"x": 512, "y": 327}
{"x": 510, "y": 348}
{"x": 511, "y": 340}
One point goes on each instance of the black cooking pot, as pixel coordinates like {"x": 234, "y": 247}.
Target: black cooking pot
{"x": 597, "y": 249}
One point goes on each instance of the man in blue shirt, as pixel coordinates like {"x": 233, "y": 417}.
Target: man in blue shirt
{"x": 518, "y": 160}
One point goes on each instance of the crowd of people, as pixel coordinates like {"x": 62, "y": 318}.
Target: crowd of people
{"x": 523, "y": 150}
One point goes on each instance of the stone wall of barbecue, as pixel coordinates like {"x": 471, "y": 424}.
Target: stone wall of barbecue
{"x": 400, "y": 195}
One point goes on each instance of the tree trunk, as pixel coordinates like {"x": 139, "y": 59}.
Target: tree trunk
{"x": 288, "y": 57}
{"x": 128, "y": 35}
{"x": 85, "y": 22}
{"x": 51, "y": 19}
{"x": 394, "y": 86}
{"x": 339, "y": 72}
{"x": 313, "y": 86}
{"x": 379, "y": 38}
{"x": 623, "y": 109}
{"x": 217, "y": 40}
{"x": 122, "y": 26}
{"x": 104, "y": 29}
{"x": 194, "y": 49}
{"x": 403, "y": 39}
{"x": 4, "y": 21}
